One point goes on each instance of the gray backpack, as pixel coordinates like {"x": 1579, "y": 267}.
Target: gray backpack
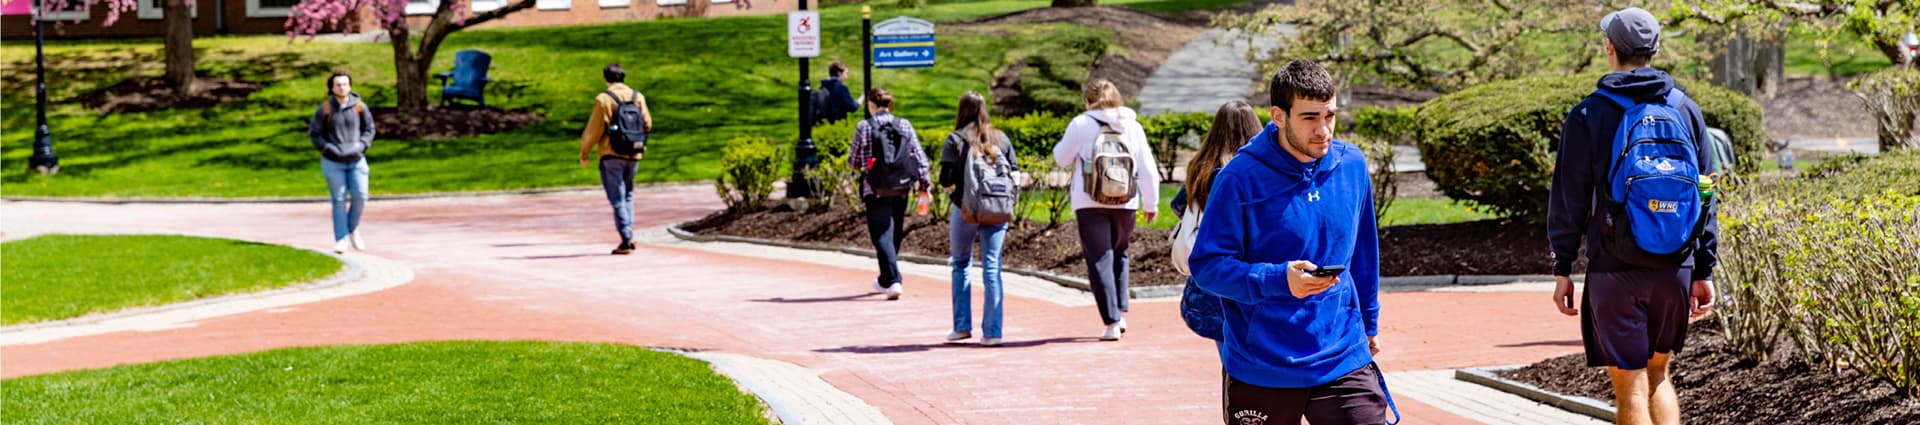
{"x": 1108, "y": 176}
{"x": 988, "y": 191}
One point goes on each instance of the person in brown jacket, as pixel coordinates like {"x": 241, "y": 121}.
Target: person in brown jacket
{"x": 616, "y": 170}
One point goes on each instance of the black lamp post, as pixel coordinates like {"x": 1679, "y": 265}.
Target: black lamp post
{"x": 43, "y": 161}
{"x": 806, "y": 156}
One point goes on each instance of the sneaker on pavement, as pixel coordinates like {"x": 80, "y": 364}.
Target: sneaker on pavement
{"x": 624, "y": 248}
{"x": 992, "y": 341}
{"x": 876, "y": 287}
{"x": 894, "y": 292}
{"x": 957, "y": 336}
{"x": 1123, "y": 325}
{"x": 1112, "y": 333}
{"x": 340, "y": 246}
{"x": 358, "y": 244}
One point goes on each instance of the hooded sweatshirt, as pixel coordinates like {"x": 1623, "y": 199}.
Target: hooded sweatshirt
{"x": 1267, "y": 209}
{"x": 1076, "y": 146}
{"x": 1586, "y": 156}
{"x": 348, "y": 136}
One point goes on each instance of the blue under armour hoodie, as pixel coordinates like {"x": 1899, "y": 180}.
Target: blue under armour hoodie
{"x": 1267, "y": 209}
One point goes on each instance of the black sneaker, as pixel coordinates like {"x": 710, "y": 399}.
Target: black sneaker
{"x": 624, "y": 248}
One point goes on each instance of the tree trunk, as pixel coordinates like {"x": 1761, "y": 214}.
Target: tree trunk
{"x": 1075, "y": 3}
{"x": 410, "y": 85}
{"x": 179, "y": 51}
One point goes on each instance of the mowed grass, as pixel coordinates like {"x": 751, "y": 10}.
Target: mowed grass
{"x": 706, "y": 80}
{"x": 421, "y": 383}
{"x": 55, "y": 277}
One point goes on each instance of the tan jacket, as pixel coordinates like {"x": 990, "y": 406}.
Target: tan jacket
{"x": 595, "y": 137}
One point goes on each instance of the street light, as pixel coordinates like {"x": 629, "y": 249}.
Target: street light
{"x": 43, "y": 161}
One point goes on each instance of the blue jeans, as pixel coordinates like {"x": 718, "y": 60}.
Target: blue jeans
{"x": 616, "y": 175}
{"x": 347, "y": 188}
{"x": 961, "y": 235}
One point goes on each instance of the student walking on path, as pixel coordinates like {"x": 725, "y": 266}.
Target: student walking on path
{"x": 1107, "y": 145}
{"x": 1233, "y": 126}
{"x": 887, "y": 152}
{"x": 1650, "y": 234}
{"x": 973, "y": 155}
{"x": 342, "y": 130}
{"x": 1290, "y": 245}
{"x": 619, "y": 160}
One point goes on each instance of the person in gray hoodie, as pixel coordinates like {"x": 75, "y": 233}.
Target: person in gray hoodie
{"x": 342, "y": 130}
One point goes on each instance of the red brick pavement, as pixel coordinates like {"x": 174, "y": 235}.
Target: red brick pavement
{"x": 534, "y": 267}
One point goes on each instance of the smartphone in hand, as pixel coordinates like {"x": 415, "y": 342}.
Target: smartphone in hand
{"x": 1328, "y": 271}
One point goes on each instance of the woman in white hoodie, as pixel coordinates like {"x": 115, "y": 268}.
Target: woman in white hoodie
{"x": 1106, "y": 222}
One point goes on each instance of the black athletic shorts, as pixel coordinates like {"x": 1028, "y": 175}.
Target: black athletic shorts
{"x": 1627, "y": 316}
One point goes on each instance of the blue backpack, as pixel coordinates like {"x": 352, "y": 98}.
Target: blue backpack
{"x": 1656, "y": 209}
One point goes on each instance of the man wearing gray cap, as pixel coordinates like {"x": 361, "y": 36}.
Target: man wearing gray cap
{"x": 1643, "y": 282}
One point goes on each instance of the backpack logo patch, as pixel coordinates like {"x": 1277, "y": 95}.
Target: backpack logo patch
{"x": 1663, "y": 207}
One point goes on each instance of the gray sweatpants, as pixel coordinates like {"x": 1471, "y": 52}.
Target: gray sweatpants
{"x": 1104, "y": 233}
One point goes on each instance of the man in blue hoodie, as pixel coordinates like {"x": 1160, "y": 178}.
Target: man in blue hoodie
{"x": 1635, "y": 316}
{"x": 1292, "y": 201}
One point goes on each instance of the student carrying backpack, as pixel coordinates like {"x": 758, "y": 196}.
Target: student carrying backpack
{"x": 977, "y": 167}
{"x": 1117, "y": 182}
{"x": 627, "y": 129}
{"x": 886, "y": 149}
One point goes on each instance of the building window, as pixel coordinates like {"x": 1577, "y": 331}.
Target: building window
{"x": 268, "y": 8}
{"x": 486, "y": 5}
{"x": 677, "y": 2}
{"x": 78, "y": 13}
{"x": 422, "y": 7}
{"x": 155, "y": 9}
{"x": 609, "y": 4}
{"x": 553, "y": 4}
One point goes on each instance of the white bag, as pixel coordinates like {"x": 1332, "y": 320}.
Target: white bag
{"x": 1183, "y": 236}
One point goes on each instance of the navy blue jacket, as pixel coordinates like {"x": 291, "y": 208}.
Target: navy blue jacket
{"x": 1580, "y": 173}
{"x": 839, "y": 100}
{"x": 1266, "y": 209}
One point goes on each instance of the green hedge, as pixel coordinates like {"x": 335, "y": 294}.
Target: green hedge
{"x": 1164, "y": 133}
{"x": 1492, "y": 144}
{"x": 748, "y": 167}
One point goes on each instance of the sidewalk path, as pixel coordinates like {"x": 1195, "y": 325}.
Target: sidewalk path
{"x": 1209, "y": 71}
{"x": 535, "y": 267}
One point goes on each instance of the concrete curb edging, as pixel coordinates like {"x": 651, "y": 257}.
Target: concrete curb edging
{"x": 314, "y": 199}
{"x": 362, "y": 275}
{"x": 1582, "y": 405}
{"x": 1138, "y": 292}
{"x": 796, "y": 395}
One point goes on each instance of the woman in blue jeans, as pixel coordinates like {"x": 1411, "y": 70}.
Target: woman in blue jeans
{"x": 973, "y": 133}
{"x": 342, "y": 130}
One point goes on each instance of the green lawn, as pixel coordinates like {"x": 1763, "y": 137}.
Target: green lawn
{"x": 55, "y": 277}
{"x": 707, "y": 80}
{"x": 1406, "y": 211}
{"x": 423, "y": 383}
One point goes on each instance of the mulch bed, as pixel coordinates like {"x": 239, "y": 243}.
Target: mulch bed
{"x": 149, "y": 94}
{"x": 446, "y": 123}
{"x": 1497, "y": 247}
{"x": 1717, "y": 387}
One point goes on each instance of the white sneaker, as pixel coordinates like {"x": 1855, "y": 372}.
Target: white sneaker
{"x": 340, "y": 246}
{"x": 876, "y": 287}
{"x": 358, "y": 244}
{"x": 957, "y": 336}
{"x": 1112, "y": 333}
{"x": 894, "y": 292}
{"x": 1123, "y": 325}
{"x": 992, "y": 341}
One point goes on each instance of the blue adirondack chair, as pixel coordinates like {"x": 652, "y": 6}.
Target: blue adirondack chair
{"x": 469, "y": 77}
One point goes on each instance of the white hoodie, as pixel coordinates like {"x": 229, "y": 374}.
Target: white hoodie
{"x": 1077, "y": 146}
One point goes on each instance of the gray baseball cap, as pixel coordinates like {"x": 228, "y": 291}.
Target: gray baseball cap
{"x": 1633, "y": 31}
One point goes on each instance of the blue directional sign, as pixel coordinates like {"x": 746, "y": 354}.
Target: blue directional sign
{"x": 903, "y": 42}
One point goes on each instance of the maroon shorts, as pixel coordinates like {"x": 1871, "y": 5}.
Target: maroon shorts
{"x": 1628, "y": 316}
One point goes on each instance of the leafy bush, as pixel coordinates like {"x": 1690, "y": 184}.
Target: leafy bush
{"x": 1168, "y": 132}
{"x": 1033, "y": 135}
{"x": 932, "y": 140}
{"x": 748, "y": 167}
{"x": 1829, "y": 265}
{"x": 1492, "y": 144}
{"x": 1892, "y": 97}
{"x": 838, "y": 181}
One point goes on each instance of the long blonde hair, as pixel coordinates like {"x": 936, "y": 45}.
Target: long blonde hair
{"x": 1102, "y": 94}
{"x": 1233, "y": 126}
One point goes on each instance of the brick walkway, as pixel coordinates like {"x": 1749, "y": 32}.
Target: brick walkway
{"x": 534, "y": 267}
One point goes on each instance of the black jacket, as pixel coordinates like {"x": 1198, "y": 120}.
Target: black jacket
{"x": 839, "y": 100}
{"x": 1580, "y": 174}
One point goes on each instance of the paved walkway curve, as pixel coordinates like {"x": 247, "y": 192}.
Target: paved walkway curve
{"x": 535, "y": 267}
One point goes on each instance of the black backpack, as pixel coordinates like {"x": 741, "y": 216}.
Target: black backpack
{"x": 627, "y": 131}
{"x": 819, "y": 100}
{"x": 891, "y": 171}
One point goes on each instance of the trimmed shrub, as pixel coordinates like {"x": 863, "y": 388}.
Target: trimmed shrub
{"x": 1033, "y": 135}
{"x": 1493, "y": 144}
{"x": 1167, "y": 134}
{"x": 1827, "y": 264}
{"x": 748, "y": 167}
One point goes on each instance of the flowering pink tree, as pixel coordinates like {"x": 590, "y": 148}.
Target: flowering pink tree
{"x": 410, "y": 64}
{"x": 179, "y": 35}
